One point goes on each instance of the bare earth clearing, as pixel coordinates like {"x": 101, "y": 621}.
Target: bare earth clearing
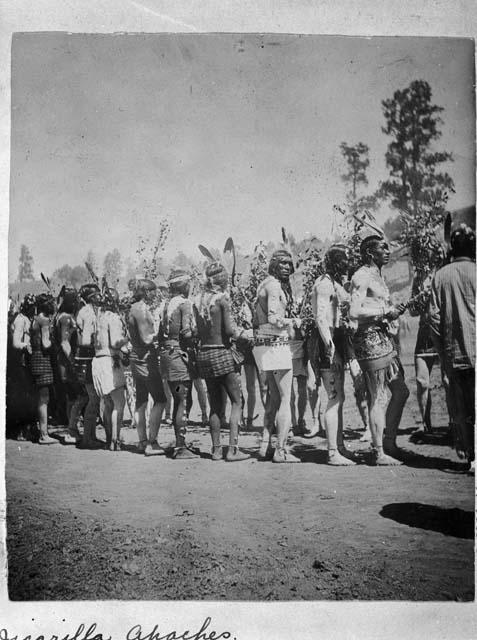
{"x": 100, "y": 525}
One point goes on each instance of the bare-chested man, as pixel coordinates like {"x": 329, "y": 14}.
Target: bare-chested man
{"x": 374, "y": 348}
{"x": 272, "y": 352}
{"x": 66, "y": 334}
{"x": 86, "y": 322}
{"x": 215, "y": 362}
{"x": 145, "y": 367}
{"x": 175, "y": 343}
{"x": 328, "y": 296}
{"x": 107, "y": 366}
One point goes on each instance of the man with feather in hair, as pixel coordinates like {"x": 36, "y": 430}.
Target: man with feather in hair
{"x": 216, "y": 329}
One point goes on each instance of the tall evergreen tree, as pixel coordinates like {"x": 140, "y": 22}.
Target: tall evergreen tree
{"x": 25, "y": 267}
{"x": 357, "y": 161}
{"x": 413, "y": 123}
{"x": 417, "y": 186}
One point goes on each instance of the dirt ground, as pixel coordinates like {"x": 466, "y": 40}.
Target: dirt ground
{"x": 100, "y": 525}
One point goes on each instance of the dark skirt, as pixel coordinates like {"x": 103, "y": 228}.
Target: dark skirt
{"x": 82, "y": 365}
{"x": 424, "y": 345}
{"x": 174, "y": 363}
{"x": 41, "y": 368}
{"x": 373, "y": 347}
{"x": 213, "y": 362}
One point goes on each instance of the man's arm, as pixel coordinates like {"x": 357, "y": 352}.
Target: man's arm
{"x": 80, "y": 323}
{"x": 230, "y": 327}
{"x": 186, "y": 320}
{"x": 435, "y": 317}
{"x": 274, "y": 305}
{"x": 45, "y": 333}
{"x": 322, "y": 296}
{"x": 65, "y": 335}
{"x": 18, "y": 333}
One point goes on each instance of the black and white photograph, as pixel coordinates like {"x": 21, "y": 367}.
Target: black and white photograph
{"x": 239, "y": 323}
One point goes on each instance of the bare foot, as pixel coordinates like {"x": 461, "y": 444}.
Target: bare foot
{"x": 283, "y": 456}
{"x": 265, "y": 452}
{"x": 336, "y": 459}
{"x": 154, "y": 449}
{"x": 393, "y": 451}
{"x": 383, "y": 460}
{"x": 46, "y": 439}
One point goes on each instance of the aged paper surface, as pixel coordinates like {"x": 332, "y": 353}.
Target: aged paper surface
{"x": 240, "y": 620}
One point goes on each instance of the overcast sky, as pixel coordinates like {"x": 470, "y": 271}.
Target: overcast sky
{"x": 223, "y": 134}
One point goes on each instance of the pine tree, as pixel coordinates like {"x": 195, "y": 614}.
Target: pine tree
{"x": 25, "y": 268}
{"x": 416, "y": 186}
{"x": 357, "y": 160}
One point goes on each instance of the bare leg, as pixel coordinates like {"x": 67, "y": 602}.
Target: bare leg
{"x": 293, "y": 396}
{"x": 200, "y": 388}
{"x": 302, "y": 400}
{"x": 263, "y": 386}
{"x": 168, "y": 407}
{"x": 377, "y": 418}
{"x": 90, "y": 415}
{"x": 250, "y": 381}
{"x": 231, "y": 382}
{"x": 313, "y": 401}
{"x": 140, "y": 420}
{"x": 76, "y": 409}
{"x": 333, "y": 382}
{"x": 155, "y": 418}
{"x": 118, "y": 400}
{"x": 42, "y": 408}
{"x": 130, "y": 397}
{"x": 223, "y": 415}
{"x": 272, "y": 405}
{"x": 361, "y": 396}
{"x": 214, "y": 389}
{"x": 399, "y": 396}
{"x": 423, "y": 367}
{"x": 179, "y": 390}
{"x": 108, "y": 409}
{"x": 283, "y": 382}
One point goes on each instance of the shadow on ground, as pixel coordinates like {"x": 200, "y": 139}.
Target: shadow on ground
{"x": 451, "y": 522}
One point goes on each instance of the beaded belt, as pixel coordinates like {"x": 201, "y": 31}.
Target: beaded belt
{"x": 273, "y": 341}
{"x": 212, "y": 346}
